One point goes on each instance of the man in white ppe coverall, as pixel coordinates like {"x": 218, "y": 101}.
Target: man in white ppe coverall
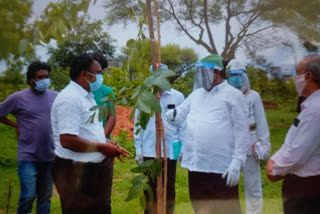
{"x": 216, "y": 141}
{"x": 145, "y": 143}
{"x": 259, "y": 138}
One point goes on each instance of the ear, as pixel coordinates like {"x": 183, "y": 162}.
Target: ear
{"x": 308, "y": 76}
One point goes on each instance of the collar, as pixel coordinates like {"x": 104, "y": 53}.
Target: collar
{"x": 78, "y": 88}
{"x": 310, "y": 99}
{"x": 167, "y": 92}
{"x": 221, "y": 86}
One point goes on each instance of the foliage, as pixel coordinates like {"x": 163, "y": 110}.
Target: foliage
{"x": 59, "y": 77}
{"x": 246, "y": 24}
{"x": 138, "y": 58}
{"x": 84, "y": 37}
{"x": 14, "y": 15}
{"x": 149, "y": 168}
{"x": 185, "y": 83}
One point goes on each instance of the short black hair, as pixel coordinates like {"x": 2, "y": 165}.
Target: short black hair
{"x": 36, "y": 66}
{"x": 80, "y": 63}
{"x": 101, "y": 59}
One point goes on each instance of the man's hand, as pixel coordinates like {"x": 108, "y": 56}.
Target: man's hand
{"x": 139, "y": 159}
{"x": 170, "y": 114}
{"x": 122, "y": 151}
{"x": 269, "y": 172}
{"x": 233, "y": 173}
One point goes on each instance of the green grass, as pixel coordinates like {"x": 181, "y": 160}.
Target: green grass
{"x": 279, "y": 121}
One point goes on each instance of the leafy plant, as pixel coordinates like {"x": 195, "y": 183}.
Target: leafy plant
{"x": 140, "y": 183}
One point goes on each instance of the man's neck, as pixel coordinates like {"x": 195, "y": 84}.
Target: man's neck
{"x": 35, "y": 91}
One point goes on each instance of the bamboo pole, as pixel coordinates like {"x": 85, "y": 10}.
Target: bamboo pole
{"x": 158, "y": 118}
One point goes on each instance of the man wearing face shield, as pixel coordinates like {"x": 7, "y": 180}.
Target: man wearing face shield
{"x": 259, "y": 138}
{"x": 216, "y": 141}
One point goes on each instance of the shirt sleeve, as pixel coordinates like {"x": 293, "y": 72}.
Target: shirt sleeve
{"x": 182, "y": 111}
{"x": 182, "y": 125}
{"x": 137, "y": 137}
{"x": 298, "y": 148}
{"x": 68, "y": 116}
{"x": 8, "y": 105}
{"x": 262, "y": 129}
{"x": 240, "y": 121}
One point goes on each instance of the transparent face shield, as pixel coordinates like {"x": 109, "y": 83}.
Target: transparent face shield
{"x": 239, "y": 80}
{"x": 203, "y": 78}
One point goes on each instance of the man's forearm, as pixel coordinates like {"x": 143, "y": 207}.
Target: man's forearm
{"x": 8, "y": 122}
{"x": 108, "y": 127}
{"x": 78, "y": 144}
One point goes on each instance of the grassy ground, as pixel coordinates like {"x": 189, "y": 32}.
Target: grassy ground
{"x": 279, "y": 121}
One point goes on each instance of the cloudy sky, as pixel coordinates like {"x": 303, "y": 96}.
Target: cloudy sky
{"x": 278, "y": 55}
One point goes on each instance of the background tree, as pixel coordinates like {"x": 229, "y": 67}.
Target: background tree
{"x": 240, "y": 23}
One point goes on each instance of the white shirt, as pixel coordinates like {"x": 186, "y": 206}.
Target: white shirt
{"x": 70, "y": 115}
{"x": 260, "y": 136}
{"x": 217, "y": 128}
{"x": 145, "y": 141}
{"x": 300, "y": 153}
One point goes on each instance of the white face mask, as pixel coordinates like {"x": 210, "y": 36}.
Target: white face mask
{"x": 300, "y": 83}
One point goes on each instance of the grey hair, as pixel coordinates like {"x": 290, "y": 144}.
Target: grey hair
{"x": 314, "y": 68}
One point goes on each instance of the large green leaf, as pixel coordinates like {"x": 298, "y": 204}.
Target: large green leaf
{"x": 147, "y": 102}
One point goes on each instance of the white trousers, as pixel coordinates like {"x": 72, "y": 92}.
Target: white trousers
{"x": 252, "y": 185}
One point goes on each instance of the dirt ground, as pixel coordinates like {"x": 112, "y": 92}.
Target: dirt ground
{"x": 123, "y": 121}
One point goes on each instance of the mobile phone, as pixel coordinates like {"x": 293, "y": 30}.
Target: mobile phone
{"x": 171, "y": 106}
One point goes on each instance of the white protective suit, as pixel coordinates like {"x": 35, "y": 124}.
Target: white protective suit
{"x": 259, "y": 139}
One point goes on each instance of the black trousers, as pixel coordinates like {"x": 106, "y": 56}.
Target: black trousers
{"x": 301, "y": 195}
{"x": 151, "y": 207}
{"x": 209, "y": 194}
{"x": 84, "y": 188}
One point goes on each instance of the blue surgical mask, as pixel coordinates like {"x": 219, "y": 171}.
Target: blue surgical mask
{"x": 94, "y": 86}
{"x": 42, "y": 85}
{"x": 236, "y": 81}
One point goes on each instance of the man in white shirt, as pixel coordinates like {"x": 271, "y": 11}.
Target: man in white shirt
{"x": 217, "y": 139}
{"x": 298, "y": 159}
{"x": 83, "y": 154}
{"x": 260, "y": 146}
{"x": 145, "y": 143}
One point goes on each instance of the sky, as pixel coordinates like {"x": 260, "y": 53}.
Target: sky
{"x": 121, "y": 34}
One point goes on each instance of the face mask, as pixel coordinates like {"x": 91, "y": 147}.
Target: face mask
{"x": 300, "y": 83}
{"x": 42, "y": 85}
{"x": 96, "y": 84}
{"x": 236, "y": 81}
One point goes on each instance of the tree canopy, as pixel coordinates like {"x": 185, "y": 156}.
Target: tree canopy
{"x": 241, "y": 23}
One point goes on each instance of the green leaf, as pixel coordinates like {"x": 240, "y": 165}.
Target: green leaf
{"x": 136, "y": 92}
{"x": 163, "y": 84}
{"x": 122, "y": 89}
{"x": 23, "y": 45}
{"x": 112, "y": 109}
{"x": 134, "y": 191}
{"x": 148, "y": 188}
{"x": 132, "y": 113}
{"x": 142, "y": 201}
{"x": 137, "y": 131}
{"x": 124, "y": 101}
{"x": 105, "y": 99}
{"x": 147, "y": 163}
{"x": 93, "y": 108}
{"x": 138, "y": 179}
{"x": 147, "y": 102}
